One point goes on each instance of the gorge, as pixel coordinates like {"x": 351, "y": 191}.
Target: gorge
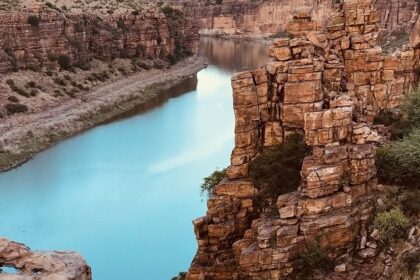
{"x": 131, "y": 186}
{"x": 123, "y": 193}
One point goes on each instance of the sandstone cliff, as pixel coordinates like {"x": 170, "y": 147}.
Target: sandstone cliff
{"x": 327, "y": 83}
{"x": 150, "y": 34}
{"x": 265, "y": 17}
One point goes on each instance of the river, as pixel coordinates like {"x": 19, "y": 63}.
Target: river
{"x": 124, "y": 194}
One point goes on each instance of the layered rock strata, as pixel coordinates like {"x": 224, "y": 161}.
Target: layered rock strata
{"x": 81, "y": 37}
{"x": 270, "y": 17}
{"x": 328, "y": 84}
{"x": 31, "y": 265}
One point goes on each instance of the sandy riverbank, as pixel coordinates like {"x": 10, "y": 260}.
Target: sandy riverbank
{"x": 22, "y": 136}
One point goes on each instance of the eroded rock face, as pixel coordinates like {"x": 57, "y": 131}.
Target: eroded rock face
{"x": 38, "y": 265}
{"x": 149, "y": 34}
{"x": 327, "y": 83}
{"x": 270, "y": 17}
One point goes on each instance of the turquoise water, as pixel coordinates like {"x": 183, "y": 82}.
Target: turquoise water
{"x": 124, "y": 194}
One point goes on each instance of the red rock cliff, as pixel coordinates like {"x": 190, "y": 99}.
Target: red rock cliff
{"x": 270, "y": 16}
{"x": 327, "y": 84}
{"x": 149, "y": 34}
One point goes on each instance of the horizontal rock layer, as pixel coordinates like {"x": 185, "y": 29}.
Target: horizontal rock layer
{"x": 328, "y": 83}
{"x": 81, "y": 37}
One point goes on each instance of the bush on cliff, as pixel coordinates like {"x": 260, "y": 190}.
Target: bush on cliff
{"x": 33, "y": 21}
{"x": 391, "y": 224}
{"x": 276, "y": 170}
{"x": 181, "y": 276}
{"x": 399, "y": 162}
{"x": 207, "y": 187}
{"x": 171, "y": 12}
{"x": 313, "y": 260}
{"x": 412, "y": 260}
{"x": 64, "y": 61}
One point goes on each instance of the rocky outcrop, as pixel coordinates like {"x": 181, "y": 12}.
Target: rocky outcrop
{"x": 271, "y": 16}
{"x": 31, "y": 265}
{"x": 149, "y": 35}
{"x": 327, "y": 83}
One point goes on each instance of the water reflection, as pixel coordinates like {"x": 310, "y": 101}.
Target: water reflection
{"x": 233, "y": 54}
{"x": 124, "y": 194}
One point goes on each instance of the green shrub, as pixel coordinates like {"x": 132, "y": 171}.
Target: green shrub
{"x": 60, "y": 81}
{"x": 13, "y": 99}
{"x": 219, "y": 2}
{"x": 411, "y": 260}
{"x": 386, "y": 118}
{"x": 13, "y": 108}
{"x": 10, "y": 82}
{"x": 52, "y": 57}
{"x": 64, "y": 61}
{"x": 411, "y": 202}
{"x": 399, "y": 162}
{"x": 310, "y": 261}
{"x": 31, "y": 84}
{"x": 411, "y": 109}
{"x": 416, "y": 275}
{"x": 391, "y": 224}
{"x": 34, "y": 67}
{"x": 207, "y": 187}
{"x": 33, "y": 20}
{"x": 171, "y": 12}
{"x": 181, "y": 276}
{"x": 276, "y": 170}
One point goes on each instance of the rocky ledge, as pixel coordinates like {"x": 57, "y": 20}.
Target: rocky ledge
{"x": 40, "y": 265}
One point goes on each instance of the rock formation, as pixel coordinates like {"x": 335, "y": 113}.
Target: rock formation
{"x": 150, "y": 34}
{"x": 327, "y": 83}
{"x": 270, "y": 17}
{"x": 31, "y": 265}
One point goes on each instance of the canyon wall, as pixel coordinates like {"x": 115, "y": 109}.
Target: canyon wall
{"x": 327, "y": 84}
{"x": 270, "y": 17}
{"x": 150, "y": 34}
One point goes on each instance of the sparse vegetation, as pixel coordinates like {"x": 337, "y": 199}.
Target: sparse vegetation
{"x": 313, "y": 260}
{"x": 207, "y": 187}
{"x": 411, "y": 202}
{"x": 171, "y": 12}
{"x": 33, "y": 20}
{"x": 412, "y": 260}
{"x": 276, "y": 170}
{"x": 13, "y": 108}
{"x": 391, "y": 225}
{"x": 399, "y": 162}
{"x": 181, "y": 276}
{"x": 64, "y": 61}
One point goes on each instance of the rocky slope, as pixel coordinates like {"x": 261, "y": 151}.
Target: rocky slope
{"x": 328, "y": 84}
{"x": 265, "y": 17}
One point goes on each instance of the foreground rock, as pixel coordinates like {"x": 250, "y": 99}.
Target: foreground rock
{"x": 51, "y": 265}
{"x": 327, "y": 84}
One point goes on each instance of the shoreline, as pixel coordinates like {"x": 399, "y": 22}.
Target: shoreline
{"x": 24, "y": 136}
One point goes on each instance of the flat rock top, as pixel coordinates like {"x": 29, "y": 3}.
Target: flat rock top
{"x": 51, "y": 265}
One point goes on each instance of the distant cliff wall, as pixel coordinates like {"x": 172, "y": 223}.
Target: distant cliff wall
{"x": 148, "y": 34}
{"x": 270, "y": 17}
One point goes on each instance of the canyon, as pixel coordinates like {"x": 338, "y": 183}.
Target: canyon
{"x": 263, "y": 18}
{"x": 326, "y": 78}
